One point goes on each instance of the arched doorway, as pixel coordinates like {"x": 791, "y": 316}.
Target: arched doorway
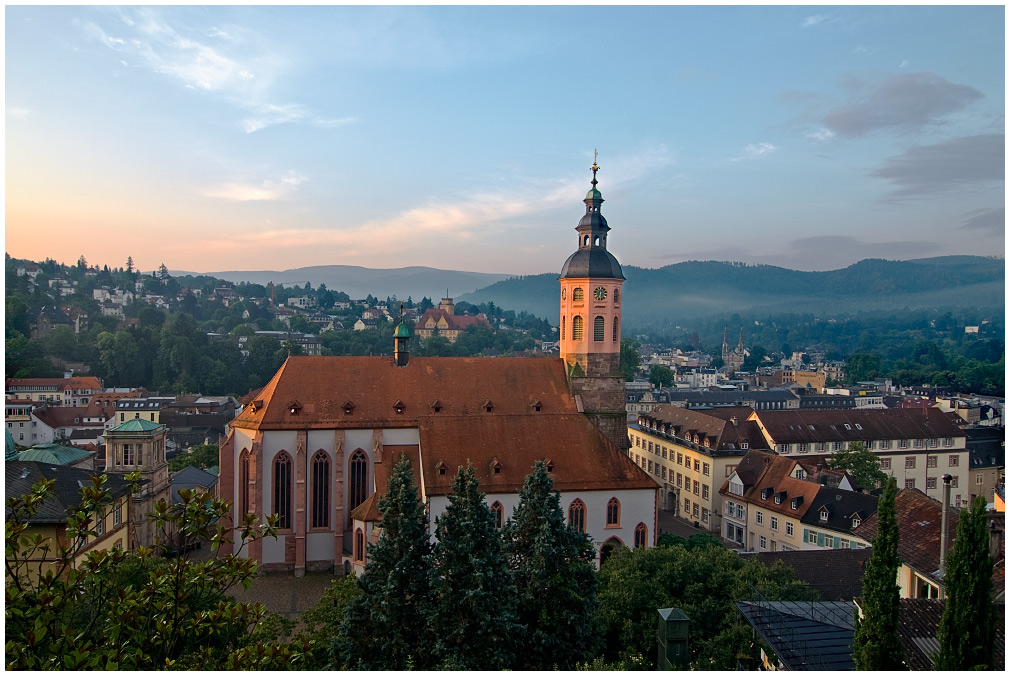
{"x": 608, "y": 548}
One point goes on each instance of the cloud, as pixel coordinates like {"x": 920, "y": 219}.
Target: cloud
{"x": 826, "y": 252}
{"x": 19, "y": 113}
{"x": 814, "y": 20}
{"x": 754, "y": 151}
{"x": 270, "y": 114}
{"x": 989, "y": 221}
{"x": 904, "y": 62}
{"x": 966, "y": 162}
{"x": 903, "y": 103}
{"x": 821, "y": 135}
{"x": 267, "y": 190}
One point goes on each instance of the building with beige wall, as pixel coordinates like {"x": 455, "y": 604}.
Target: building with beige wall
{"x": 139, "y": 446}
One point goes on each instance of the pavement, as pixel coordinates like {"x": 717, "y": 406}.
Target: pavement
{"x": 285, "y": 594}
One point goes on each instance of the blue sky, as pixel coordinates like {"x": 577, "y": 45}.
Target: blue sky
{"x": 461, "y": 138}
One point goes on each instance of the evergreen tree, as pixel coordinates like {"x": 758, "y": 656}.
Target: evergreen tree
{"x": 384, "y": 627}
{"x": 861, "y": 463}
{"x": 473, "y": 595}
{"x": 553, "y": 569}
{"x": 967, "y": 632}
{"x": 876, "y": 645}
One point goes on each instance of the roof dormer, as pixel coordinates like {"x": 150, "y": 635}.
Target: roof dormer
{"x": 536, "y": 405}
{"x": 550, "y": 466}
{"x": 488, "y": 406}
{"x": 399, "y": 406}
{"x": 436, "y": 406}
{"x": 766, "y": 493}
{"x": 348, "y": 407}
{"x": 441, "y": 467}
{"x": 780, "y": 497}
{"x": 293, "y": 407}
{"x": 824, "y": 514}
{"x": 796, "y": 502}
{"x": 496, "y": 466}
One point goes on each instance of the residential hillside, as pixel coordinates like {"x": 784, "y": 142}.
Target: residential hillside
{"x": 673, "y": 294}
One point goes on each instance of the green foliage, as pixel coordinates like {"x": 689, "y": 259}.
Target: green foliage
{"x": 203, "y": 456}
{"x": 321, "y": 623}
{"x": 861, "y": 463}
{"x": 374, "y": 632}
{"x": 630, "y": 359}
{"x": 704, "y": 582}
{"x": 553, "y": 568}
{"x": 661, "y": 376}
{"x": 876, "y": 645}
{"x": 136, "y": 611}
{"x": 472, "y": 594}
{"x": 967, "y": 632}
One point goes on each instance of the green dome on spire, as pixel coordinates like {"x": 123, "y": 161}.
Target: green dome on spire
{"x": 402, "y": 331}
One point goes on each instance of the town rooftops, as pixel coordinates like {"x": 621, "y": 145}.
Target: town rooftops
{"x": 137, "y": 425}
{"x": 845, "y": 510}
{"x": 362, "y": 392}
{"x": 53, "y": 454}
{"x": 805, "y": 636}
{"x": 21, "y": 476}
{"x": 805, "y": 426}
{"x": 837, "y": 574}
{"x": 722, "y": 430}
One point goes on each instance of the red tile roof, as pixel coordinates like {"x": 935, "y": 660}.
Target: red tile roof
{"x": 716, "y": 425}
{"x": 918, "y": 519}
{"x": 453, "y": 322}
{"x": 323, "y": 385}
{"x": 61, "y": 416}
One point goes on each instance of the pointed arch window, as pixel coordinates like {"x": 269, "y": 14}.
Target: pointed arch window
{"x": 359, "y": 479}
{"x": 359, "y": 545}
{"x": 617, "y": 323}
{"x": 577, "y": 327}
{"x": 641, "y": 535}
{"x": 498, "y": 512}
{"x": 282, "y": 489}
{"x": 613, "y": 513}
{"x": 577, "y": 515}
{"x": 243, "y": 482}
{"x": 321, "y": 490}
{"x": 598, "y": 329}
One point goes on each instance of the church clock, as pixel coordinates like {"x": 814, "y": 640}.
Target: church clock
{"x": 600, "y": 293}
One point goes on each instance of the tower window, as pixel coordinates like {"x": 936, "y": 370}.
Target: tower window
{"x": 563, "y": 327}
{"x": 598, "y": 329}
{"x": 617, "y": 295}
{"x": 577, "y": 294}
{"x": 585, "y": 241}
{"x": 616, "y": 324}
{"x": 596, "y": 241}
{"x": 577, "y": 327}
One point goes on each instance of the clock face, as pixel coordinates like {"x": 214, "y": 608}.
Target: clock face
{"x": 563, "y": 293}
{"x": 600, "y": 293}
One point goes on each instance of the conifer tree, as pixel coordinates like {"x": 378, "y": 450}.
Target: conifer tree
{"x": 384, "y": 627}
{"x": 876, "y": 645}
{"x": 473, "y": 596}
{"x": 552, "y": 565}
{"x": 967, "y": 632}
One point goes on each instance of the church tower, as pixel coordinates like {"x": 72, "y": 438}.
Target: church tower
{"x": 591, "y": 281}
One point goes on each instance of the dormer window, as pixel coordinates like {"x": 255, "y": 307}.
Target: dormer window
{"x": 550, "y": 466}
{"x": 856, "y": 521}
{"x": 779, "y": 497}
{"x": 398, "y": 406}
{"x": 496, "y": 466}
{"x": 536, "y": 405}
{"x": 441, "y": 467}
{"x": 796, "y": 502}
{"x": 294, "y": 407}
{"x": 488, "y": 406}
{"x": 435, "y": 406}
{"x": 765, "y": 493}
{"x": 348, "y": 407}
{"x": 824, "y": 514}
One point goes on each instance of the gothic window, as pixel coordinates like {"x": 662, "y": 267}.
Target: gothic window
{"x": 359, "y": 545}
{"x": 598, "y": 329}
{"x": 498, "y": 512}
{"x": 321, "y": 490}
{"x": 243, "y": 482}
{"x": 617, "y": 323}
{"x": 282, "y": 490}
{"x": 577, "y": 293}
{"x": 641, "y": 535}
{"x": 359, "y": 479}
{"x": 613, "y": 512}
{"x": 577, "y": 515}
{"x": 577, "y": 327}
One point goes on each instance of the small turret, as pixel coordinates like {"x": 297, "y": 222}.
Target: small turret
{"x": 401, "y": 342}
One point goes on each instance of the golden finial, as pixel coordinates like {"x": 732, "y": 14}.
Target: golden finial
{"x": 594, "y": 167}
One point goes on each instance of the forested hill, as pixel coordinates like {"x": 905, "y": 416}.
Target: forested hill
{"x": 675, "y": 293}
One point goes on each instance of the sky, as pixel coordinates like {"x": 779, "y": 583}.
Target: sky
{"x": 270, "y": 138}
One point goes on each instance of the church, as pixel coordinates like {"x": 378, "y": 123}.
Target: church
{"x": 317, "y": 444}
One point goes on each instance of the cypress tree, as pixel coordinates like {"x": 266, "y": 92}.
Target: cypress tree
{"x": 877, "y": 645}
{"x": 384, "y": 627}
{"x": 473, "y": 596}
{"x": 552, "y": 565}
{"x": 967, "y": 632}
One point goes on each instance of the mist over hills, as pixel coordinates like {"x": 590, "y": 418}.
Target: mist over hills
{"x": 654, "y": 298}
{"x": 357, "y": 282}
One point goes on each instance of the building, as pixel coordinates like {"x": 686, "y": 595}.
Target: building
{"x": 138, "y": 445}
{"x": 759, "y": 400}
{"x": 689, "y": 453}
{"x": 987, "y": 458}
{"x": 315, "y": 445}
{"x": 57, "y": 454}
{"x": 69, "y": 391}
{"x": 444, "y": 321}
{"x": 916, "y": 446}
{"x": 733, "y": 359}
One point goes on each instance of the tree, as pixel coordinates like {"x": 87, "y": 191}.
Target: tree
{"x": 861, "y": 464}
{"x": 630, "y": 359}
{"x": 876, "y": 645}
{"x": 862, "y": 366}
{"x": 661, "y": 376}
{"x": 472, "y": 594}
{"x": 552, "y": 565}
{"x": 201, "y": 455}
{"x": 321, "y": 623}
{"x": 385, "y": 627}
{"x": 115, "y": 609}
{"x": 704, "y": 581}
{"x": 967, "y": 632}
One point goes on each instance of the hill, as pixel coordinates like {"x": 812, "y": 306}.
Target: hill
{"x": 357, "y": 282}
{"x": 676, "y": 293}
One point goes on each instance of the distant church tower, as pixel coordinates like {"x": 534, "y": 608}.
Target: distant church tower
{"x": 591, "y": 281}
{"x": 733, "y": 359}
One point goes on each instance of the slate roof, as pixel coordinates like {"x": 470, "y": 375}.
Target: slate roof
{"x": 21, "y": 476}
{"x": 810, "y": 425}
{"x": 841, "y": 507}
{"x": 837, "y": 574}
{"x": 190, "y": 477}
{"x": 986, "y": 447}
{"x": 918, "y": 621}
{"x": 733, "y": 398}
{"x": 805, "y": 636}
{"x": 322, "y": 386}
{"x": 594, "y": 261}
{"x": 918, "y": 519}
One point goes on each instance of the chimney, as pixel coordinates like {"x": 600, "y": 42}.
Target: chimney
{"x": 945, "y": 515}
